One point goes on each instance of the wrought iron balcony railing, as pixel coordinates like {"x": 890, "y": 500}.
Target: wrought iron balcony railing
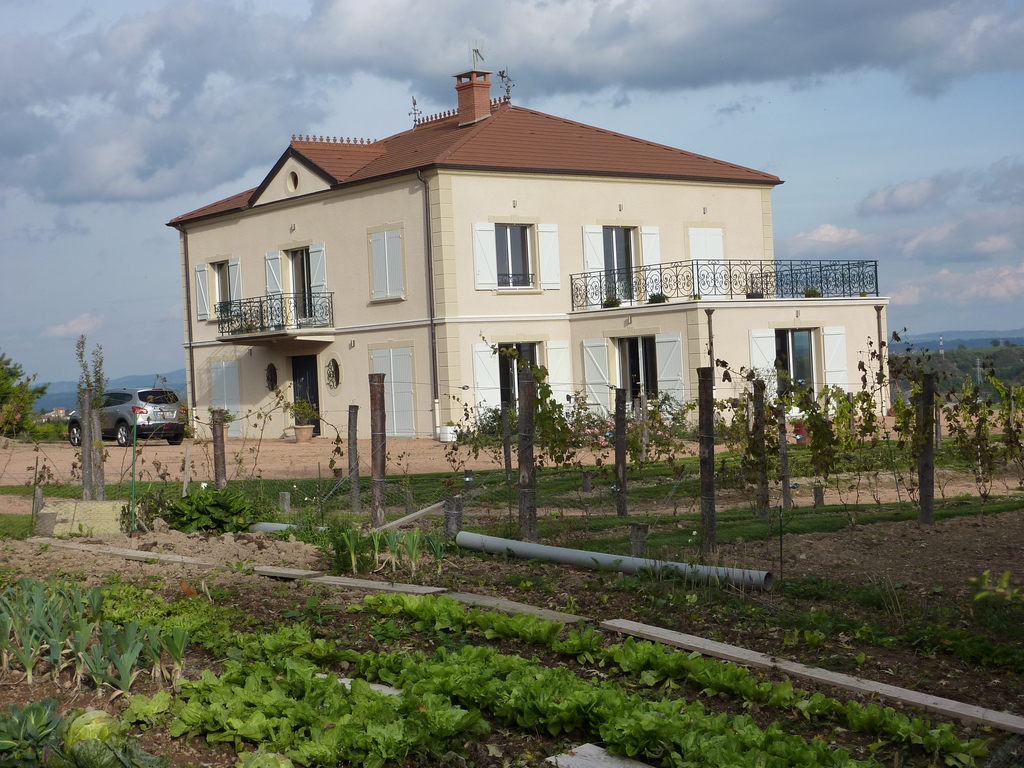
{"x": 515, "y": 280}
{"x": 726, "y": 279}
{"x": 277, "y": 312}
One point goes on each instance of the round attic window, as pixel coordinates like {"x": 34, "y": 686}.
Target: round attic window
{"x": 293, "y": 181}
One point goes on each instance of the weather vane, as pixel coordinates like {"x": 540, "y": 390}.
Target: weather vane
{"x": 507, "y": 83}
{"x": 415, "y": 113}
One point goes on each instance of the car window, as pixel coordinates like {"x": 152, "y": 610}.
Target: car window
{"x": 116, "y": 398}
{"x": 158, "y": 396}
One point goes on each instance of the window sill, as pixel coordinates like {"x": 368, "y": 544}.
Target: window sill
{"x": 386, "y": 300}
{"x": 528, "y": 290}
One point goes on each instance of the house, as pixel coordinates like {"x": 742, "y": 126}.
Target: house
{"x": 595, "y": 254}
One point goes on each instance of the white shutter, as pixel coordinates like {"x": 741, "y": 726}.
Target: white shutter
{"x": 595, "y": 371}
{"x": 224, "y": 392}
{"x": 202, "y": 293}
{"x": 707, "y": 247}
{"x": 486, "y": 377}
{"x": 382, "y": 363}
{"x": 274, "y": 287}
{"x": 593, "y": 247}
{"x": 762, "y": 359}
{"x": 485, "y": 256}
{"x": 669, "y": 349}
{"x": 378, "y": 248}
{"x": 834, "y": 352}
{"x": 317, "y": 269}
{"x": 650, "y": 246}
{"x": 235, "y": 279}
{"x": 402, "y": 419}
{"x": 393, "y": 241}
{"x": 559, "y": 370}
{"x": 547, "y": 247}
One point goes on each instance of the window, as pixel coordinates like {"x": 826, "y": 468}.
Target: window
{"x": 794, "y": 357}
{"x": 386, "y": 253}
{"x": 222, "y": 277}
{"x": 508, "y": 374}
{"x": 638, "y": 366}
{"x": 302, "y": 285}
{"x": 226, "y": 289}
{"x": 512, "y": 246}
{"x": 504, "y": 256}
{"x": 618, "y": 262}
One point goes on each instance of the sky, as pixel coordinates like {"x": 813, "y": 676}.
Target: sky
{"x": 898, "y": 128}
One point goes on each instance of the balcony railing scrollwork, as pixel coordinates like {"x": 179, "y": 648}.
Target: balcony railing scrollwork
{"x": 276, "y": 312}
{"x": 726, "y": 279}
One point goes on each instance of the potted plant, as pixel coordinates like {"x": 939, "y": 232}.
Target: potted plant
{"x": 696, "y": 297}
{"x": 657, "y": 298}
{"x": 304, "y": 415}
{"x": 755, "y": 295}
{"x": 812, "y": 293}
{"x": 611, "y": 301}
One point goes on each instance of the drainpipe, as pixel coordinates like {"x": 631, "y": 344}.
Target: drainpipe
{"x": 188, "y": 319}
{"x": 737, "y": 577}
{"x": 429, "y": 251}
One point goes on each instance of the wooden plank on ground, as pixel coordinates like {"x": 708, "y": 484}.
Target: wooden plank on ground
{"x": 274, "y": 572}
{"x": 376, "y": 586}
{"x": 964, "y": 712}
{"x": 413, "y": 517}
{"x": 511, "y": 606}
{"x": 593, "y": 756}
{"x": 129, "y": 554}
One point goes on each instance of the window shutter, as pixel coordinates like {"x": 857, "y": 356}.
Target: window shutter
{"x": 762, "y": 359}
{"x": 393, "y": 240}
{"x": 486, "y": 378}
{"x": 202, "y": 293}
{"x": 547, "y": 245}
{"x": 595, "y": 371}
{"x": 378, "y": 249}
{"x": 559, "y": 370}
{"x": 669, "y": 349}
{"x": 403, "y": 416}
{"x": 235, "y": 279}
{"x": 274, "y": 287}
{"x": 485, "y": 256}
{"x": 224, "y": 392}
{"x": 834, "y": 344}
{"x": 650, "y": 246}
{"x": 317, "y": 269}
{"x": 593, "y": 247}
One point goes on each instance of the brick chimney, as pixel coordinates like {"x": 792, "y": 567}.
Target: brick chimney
{"x": 474, "y": 89}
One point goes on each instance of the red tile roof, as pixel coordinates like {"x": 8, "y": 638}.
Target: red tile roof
{"x": 512, "y": 139}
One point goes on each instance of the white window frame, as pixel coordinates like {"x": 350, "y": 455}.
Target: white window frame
{"x": 531, "y": 271}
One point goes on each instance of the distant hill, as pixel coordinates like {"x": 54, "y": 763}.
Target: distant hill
{"x": 962, "y": 362}
{"x": 954, "y": 339}
{"x": 65, "y": 393}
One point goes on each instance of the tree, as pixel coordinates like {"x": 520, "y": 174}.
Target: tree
{"x": 996, "y": 343}
{"x": 17, "y": 396}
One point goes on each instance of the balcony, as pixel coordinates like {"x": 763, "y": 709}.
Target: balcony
{"x": 727, "y": 279}
{"x": 277, "y": 313}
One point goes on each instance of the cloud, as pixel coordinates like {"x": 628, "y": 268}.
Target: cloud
{"x": 1003, "y": 182}
{"x": 829, "y": 233}
{"x": 911, "y": 196}
{"x": 194, "y": 93}
{"x": 1002, "y": 284}
{"x": 745, "y": 104}
{"x": 83, "y": 324}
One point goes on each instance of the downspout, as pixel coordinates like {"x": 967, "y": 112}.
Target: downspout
{"x": 188, "y": 321}
{"x": 430, "y": 304}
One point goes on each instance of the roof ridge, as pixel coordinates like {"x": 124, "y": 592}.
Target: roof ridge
{"x": 647, "y": 142}
{"x": 349, "y": 142}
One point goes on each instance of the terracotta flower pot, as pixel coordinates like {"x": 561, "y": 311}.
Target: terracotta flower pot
{"x": 303, "y": 433}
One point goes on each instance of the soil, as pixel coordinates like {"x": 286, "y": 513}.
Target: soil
{"x": 915, "y": 565}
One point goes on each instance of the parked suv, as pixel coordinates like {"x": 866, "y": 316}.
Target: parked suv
{"x": 155, "y": 411}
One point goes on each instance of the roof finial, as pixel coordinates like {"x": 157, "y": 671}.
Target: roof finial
{"x": 507, "y": 83}
{"x": 415, "y": 114}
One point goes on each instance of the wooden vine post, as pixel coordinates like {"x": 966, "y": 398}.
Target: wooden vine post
{"x": 926, "y": 457}
{"x": 706, "y": 430}
{"x": 378, "y": 449}
{"x": 621, "y": 508}
{"x": 353, "y": 458}
{"x": 527, "y": 467}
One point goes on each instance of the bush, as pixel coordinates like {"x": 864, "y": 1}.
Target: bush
{"x": 207, "y": 509}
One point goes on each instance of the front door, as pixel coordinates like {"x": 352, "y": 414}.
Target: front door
{"x": 304, "y": 381}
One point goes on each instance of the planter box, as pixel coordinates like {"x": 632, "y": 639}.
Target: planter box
{"x": 448, "y": 434}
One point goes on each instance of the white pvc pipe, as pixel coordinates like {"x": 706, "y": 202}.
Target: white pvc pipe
{"x": 737, "y": 577}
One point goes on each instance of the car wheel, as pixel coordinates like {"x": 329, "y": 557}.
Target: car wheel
{"x": 75, "y": 433}
{"x": 124, "y": 435}
{"x": 175, "y": 440}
